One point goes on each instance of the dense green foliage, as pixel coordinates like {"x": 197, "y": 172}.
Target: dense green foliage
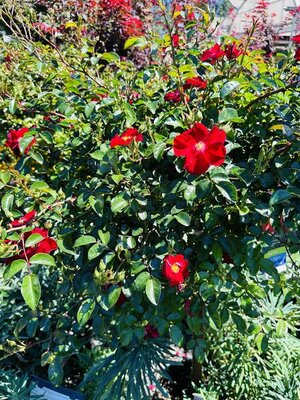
{"x": 116, "y": 213}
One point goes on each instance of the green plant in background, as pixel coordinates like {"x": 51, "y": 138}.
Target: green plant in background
{"x": 237, "y": 370}
{"x": 14, "y": 386}
{"x": 143, "y": 207}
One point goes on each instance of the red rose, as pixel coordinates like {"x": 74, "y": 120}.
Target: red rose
{"x": 13, "y": 140}
{"x": 24, "y": 220}
{"x": 46, "y": 245}
{"x": 213, "y": 54}
{"x": 296, "y": 39}
{"x": 150, "y": 332}
{"x": 175, "y": 40}
{"x": 175, "y": 269}
{"x": 201, "y": 148}
{"x": 197, "y": 82}
{"x": 175, "y": 96}
{"x": 126, "y": 138}
{"x": 232, "y": 51}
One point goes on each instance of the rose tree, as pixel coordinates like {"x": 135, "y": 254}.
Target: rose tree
{"x": 152, "y": 206}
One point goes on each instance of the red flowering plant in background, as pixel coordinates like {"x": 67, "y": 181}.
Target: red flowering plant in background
{"x": 196, "y": 82}
{"x": 213, "y": 54}
{"x": 174, "y": 97}
{"x": 201, "y": 148}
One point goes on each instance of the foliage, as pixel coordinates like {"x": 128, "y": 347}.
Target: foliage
{"x": 15, "y": 387}
{"x": 131, "y": 371}
{"x": 119, "y": 213}
{"x": 237, "y": 370}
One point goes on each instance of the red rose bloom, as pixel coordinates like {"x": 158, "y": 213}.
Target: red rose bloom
{"x": 13, "y": 140}
{"x": 197, "y": 82}
{"x": 175, "y": 269}
{"x": 175, "y": 96}
{"x": 130, "y": 135}
{"x": 232, "y": 51}
{"x": 150, "y": 332}
{"x": 201, "y": 148}
{"x": 46, "y": 245}
{"x": 24, "y": 220}
{"x": 213, "y": 54}
{"x": 296, "y": 39}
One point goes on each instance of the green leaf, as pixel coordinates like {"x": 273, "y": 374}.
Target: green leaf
{"x": 89, "y": 108}
{"x": 153, "y": 290}
{"x": 229, "y": 115}
{"x": 176, "y": 335}
{"x": 126, "y": 336}
{"x": 228, "y": 190}
{"x": 118, "y": 204}
{"x": 269, "y": 267}
{"x": 55, "y": 372}
{"x": 95, "y": 251}
{"x": 113, "y": 295}
{"x": 256, "y": 291}
{"x": 158, "y": 150}
{"x": 136, "y": 41}
{"x": 42, "y": 259}
{"x": 261, "y": 342}
{"x": 84, "y": 240}
{"x": 14, "y": 268}
{"x": 228, "y": 88}
{"x": 110, "y": 57}
{"x": 5, "y": 176}
{"x": 239, "y": 322}
{"x": 39, "y": 185}
{"x": 37, "y": 157}
{"x": 12, "y": 107}
{"x": 183, "y": 218}
{"x": 33, "y": 239}
{"x": 104, "y": 237}
{"x": 25, "y": 142}
{"x": 141, "y": 280}
{"x": 31, "y": 290}
{"x": 279, "y": 197}
{"x": 85, "y": 311}
{"x": 281, "y": 328}
{"x": 7, "y": 202}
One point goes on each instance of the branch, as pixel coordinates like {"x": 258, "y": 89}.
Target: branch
{"x": 269, "y": 94}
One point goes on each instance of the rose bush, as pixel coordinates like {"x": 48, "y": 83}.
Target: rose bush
{"x": 153, "y": 210}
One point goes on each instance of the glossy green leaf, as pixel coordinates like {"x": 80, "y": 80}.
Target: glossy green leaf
{"x": 31, "y": 290}
{"x": 15, "y": 267}
{"x": 42, "y": 259}
{"x": 85, "y": 311}
{"x": 153, "y": 290}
